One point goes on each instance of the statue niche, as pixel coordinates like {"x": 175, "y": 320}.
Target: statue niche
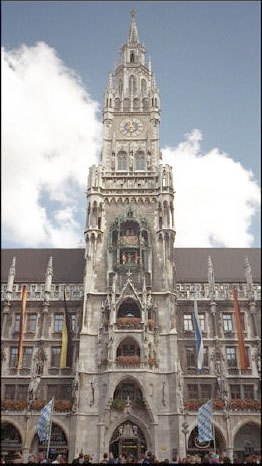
{"x": 129, "y": 244}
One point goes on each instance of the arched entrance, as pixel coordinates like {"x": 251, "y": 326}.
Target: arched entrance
{"x": 58, "y": 442}
{"x": 11, "y": 440}
{"x": 128, "y": 439}
{"x": 247, "y": 441}
{"x": 197, "y": 448}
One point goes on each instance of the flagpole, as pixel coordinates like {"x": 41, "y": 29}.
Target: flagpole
{"x": 214, "y": 438}
{"x": 50, "y": 429}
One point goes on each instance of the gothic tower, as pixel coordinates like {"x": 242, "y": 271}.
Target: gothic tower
{"x": 128, "y": 367}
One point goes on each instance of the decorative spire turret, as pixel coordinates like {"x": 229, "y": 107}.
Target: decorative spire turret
{"x": 211, "y": 279}
{"x": 48, "y": 278}
{"x": 10, "y": 280}
{"x": 133, "y": 35}
{"x": 249, "y": 279}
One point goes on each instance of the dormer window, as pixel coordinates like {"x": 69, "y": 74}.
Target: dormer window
{"x": 132, "y": 57}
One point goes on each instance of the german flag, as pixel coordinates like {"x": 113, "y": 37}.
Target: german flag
{"x": 21, "y": 328}
{"x": 66, "y": 354}
{"x": 241, "y": 343}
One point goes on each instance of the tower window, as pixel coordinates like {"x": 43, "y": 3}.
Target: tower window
{"x": 140, "y": 161}
{"x": 122, "y": 161}
{"x": 132, "y": 57}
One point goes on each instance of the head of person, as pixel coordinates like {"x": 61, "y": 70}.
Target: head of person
{"x": 105, "y": 456}
{"x": 32, "y": 459}
{"x": 41, "y": 456}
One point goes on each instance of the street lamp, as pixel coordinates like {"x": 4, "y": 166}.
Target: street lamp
{"x": 185, "y": 431}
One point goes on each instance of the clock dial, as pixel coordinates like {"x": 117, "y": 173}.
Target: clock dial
{"x": 131, "y": 127}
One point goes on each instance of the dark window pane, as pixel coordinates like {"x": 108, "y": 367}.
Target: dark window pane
{"x": 235, "y": 392}
{"x": 9, "y": 392}
{"x": 22, "y": 392}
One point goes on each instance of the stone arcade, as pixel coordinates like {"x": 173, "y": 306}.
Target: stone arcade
{"x": 133, "y": 383}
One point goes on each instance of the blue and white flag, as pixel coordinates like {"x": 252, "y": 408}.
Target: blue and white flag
{"x": 204, "y": 422}
{"x": 43, "y": 425}
{"x": 199, "y": 339}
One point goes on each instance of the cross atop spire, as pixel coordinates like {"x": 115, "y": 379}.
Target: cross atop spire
{"x": 132, "y": 35}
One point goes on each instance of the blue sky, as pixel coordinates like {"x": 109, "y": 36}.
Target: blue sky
{"x": 205, "y": 56}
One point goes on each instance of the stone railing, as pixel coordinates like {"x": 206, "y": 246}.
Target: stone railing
{"x": 222, "y": 291}
{"x": 36, "y": 292}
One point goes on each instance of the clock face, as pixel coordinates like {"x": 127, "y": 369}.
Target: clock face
{"x": 131, "y": 127}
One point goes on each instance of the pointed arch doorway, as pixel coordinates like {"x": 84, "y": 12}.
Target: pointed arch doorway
{"x": 128, "y": 439}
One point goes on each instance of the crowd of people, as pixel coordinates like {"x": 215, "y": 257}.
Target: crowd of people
{"x": 146, "y": 458}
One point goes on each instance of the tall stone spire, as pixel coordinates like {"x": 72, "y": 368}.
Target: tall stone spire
{"x": 249, "y": 279}
{"x": 10, "y": 280}
{"x": 211, "y": 278}
{"x": 133, "y": 35}
{"x": 48, "y": 278}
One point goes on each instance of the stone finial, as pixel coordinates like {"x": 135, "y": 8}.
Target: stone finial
{"x": 249, "y": 279}
{"x": 110, "y": 81}
{"x": 48, "y": 276}
{"x": 133, "y": 35}
{"x": 149, "y": 64}
{"x": 10, "y": 280}
{"x": 211, "y": 278}
{"x": 11, "y": 276}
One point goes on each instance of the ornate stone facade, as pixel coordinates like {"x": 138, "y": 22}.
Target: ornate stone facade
{"x": 133, "y": 383}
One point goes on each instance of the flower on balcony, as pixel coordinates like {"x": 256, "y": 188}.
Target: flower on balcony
{"x": 118, "y": 405}
{"x": 151, "y": 324}
{"x": 128, "y": 360}
{"x": 194, "y": 405}
{"x": 38, "y": 404}
{"x": 138, "y": 404}
{"x": 62, "y": 405}
{"x": 13, "y": 405}
{"x": 128, "y": 322}
{"x": 243, "y": 405}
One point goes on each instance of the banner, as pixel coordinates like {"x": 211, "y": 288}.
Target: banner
{"x": 204, "y": 422}
{"x": 21, "y": 328}
{"x": 44, "y": 422}
{"x": 65, "y": 358}
{"x": 240, "y": 336}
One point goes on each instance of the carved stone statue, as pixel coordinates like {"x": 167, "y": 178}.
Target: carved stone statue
{"x": 180, "y": 390}
{"x": 32, "y": 388}
{"x": 75, "y": 392}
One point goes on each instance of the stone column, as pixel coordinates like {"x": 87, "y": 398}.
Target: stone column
{"x": 253, "y": 309}
{"x": 213, "y": 306}
{"x": 5, "y": 315}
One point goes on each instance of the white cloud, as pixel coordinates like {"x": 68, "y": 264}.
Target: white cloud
{"x": 50, "y": 136}
{"x": 215, "y": 198}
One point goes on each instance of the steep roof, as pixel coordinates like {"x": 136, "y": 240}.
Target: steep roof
{"x": 191, "y": 264}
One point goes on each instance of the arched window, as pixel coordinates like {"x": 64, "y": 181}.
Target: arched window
{"x": 120, "y": 87}
{"x": 126, "y": 103}
{"x": 136, "y": 103}
{"x": 143, "y": 85}
{"x": 117, "y": 104}
{"x": 128, "y": 347}
{"x": 129, "y": 308}
{"x": 140, "y": 161}
{"x": 132, "y": 83}
{"x": 132, "y": 57}
{"x": 128, "y": 389}
{"x": 156, "y": 102}
{"x": 145, "y": 103}
{"x": 122, "y": 161}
